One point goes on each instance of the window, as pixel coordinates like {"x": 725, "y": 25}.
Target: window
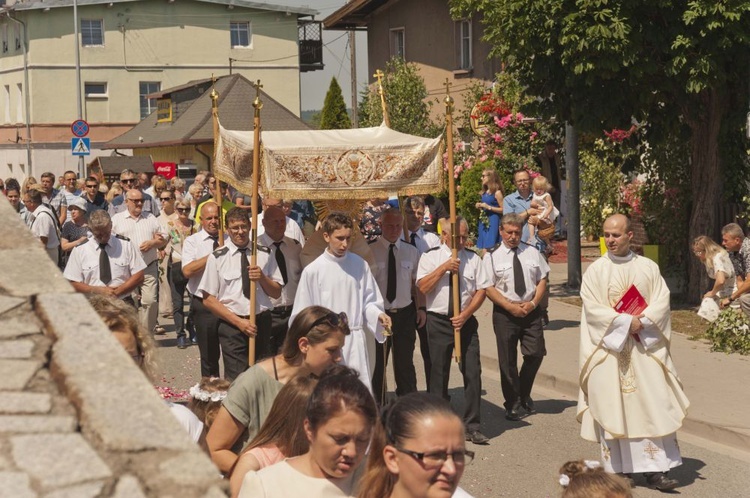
{"x": 95, "y": 90}
{"x": 92, "y": 32}
{"x": 17, "y": 31}
{"x": 19, "y": 104}
{"x": 464, "y": 45}
{"x": 240, "y": 34}
{"x": 397, "y": 43}
{"x": 148, "y": 105}
{"x": 5, "y": 38}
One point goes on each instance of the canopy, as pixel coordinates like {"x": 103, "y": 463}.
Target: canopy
{"x": 332, "y": 164}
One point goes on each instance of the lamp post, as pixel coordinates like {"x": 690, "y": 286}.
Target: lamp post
{"x": 79, "y": 100}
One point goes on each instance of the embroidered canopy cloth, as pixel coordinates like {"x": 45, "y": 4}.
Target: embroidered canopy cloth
{"x": 332, "y": 164}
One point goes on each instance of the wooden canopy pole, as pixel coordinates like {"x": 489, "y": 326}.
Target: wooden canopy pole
{"x": 379, "y": 75}
{"x": 258, "y": 105}
{"x": 454, "y": 226}
{"x": 217, "y": 188}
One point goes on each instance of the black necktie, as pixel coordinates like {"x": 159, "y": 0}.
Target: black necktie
{"x": 413, "y": 239}
{"x": 216, "y": 241}
{"x": 390, "y": 293}
{"x": 244, "y": 269}
{"x": 518, "y": 281}
{"x": 281, "y": 261}
{"x": 105, "y": 271}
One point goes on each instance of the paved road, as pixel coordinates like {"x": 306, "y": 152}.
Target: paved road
{"x": 523, "y": 458}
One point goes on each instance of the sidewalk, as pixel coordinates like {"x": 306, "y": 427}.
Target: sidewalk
{"x": 715, "y": 383}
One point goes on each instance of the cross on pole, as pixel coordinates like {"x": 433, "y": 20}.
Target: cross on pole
{"x": 257, "y": 103}
{"x": 448, "y": 98}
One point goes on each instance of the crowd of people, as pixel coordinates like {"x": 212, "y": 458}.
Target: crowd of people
{"x": 332, "y": 306}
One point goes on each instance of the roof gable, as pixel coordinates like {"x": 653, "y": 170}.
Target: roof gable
{"x": 52, "y": 4}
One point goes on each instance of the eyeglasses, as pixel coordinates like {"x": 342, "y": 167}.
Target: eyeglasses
{"x": 92, "y": 186}
{"x": 335, "y": 320}
{"x": 166, "y": 198}
{"x": 183, "y": 210}
{"x": 128, "y": 180}
{"x": 136, "y": 201}
{"x": 436, "y": 459}
{"x": 239, "y": 228}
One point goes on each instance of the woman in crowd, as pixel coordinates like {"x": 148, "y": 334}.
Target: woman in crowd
{"x": 490, "y": 210}
{"x": 114, "y": 190}
{"x": 418, "y": 450}
{"x": 75, "y": 231}
{"x": 27, "y": 183}
{"x": 13, "y": 193}
{"x": 718, "y": 266}
{"x": 339, "y": 420}
{"x": 177, "y": 185}
{"x": 587, "y": 479}
{"x": 166, "y": 218}
{"x": 282, "y": 435}
{"x": 369, "y": 223}
{"x": 196, "y": 192}
{"x": 313, "y": 343}
{"x": 179, "y": 229}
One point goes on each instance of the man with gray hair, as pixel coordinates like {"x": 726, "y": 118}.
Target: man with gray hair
{"x": 129, "y": 180}
{"x": 519, "y": 277}
{"x": 734, "y": 241}
{"x": 105, "y": 264}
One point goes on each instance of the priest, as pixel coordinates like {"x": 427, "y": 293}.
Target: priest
{"x": 630, "y": 400}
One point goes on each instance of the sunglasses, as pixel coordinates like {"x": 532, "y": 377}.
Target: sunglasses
{"x": 183, "y": 210}
{"x": 335, "y": 320}
{"x": 92, "y": 186}
{"x": 132, "y": 180}
{"x": 165, "y": 198}
{"x": 136, "y": 201}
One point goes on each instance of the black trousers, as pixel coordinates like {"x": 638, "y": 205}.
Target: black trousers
{"x": 441, "y": 342}
{"x": 207, "y": 333}
{"x": 235, "y": 345}
{"x": 402, "y": 343}
{"x": 424, "y": 348}
{"x": 279, "y": 326}
{"x": 509, "y": 331}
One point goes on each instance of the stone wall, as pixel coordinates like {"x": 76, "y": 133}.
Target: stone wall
{"x": 78, "y": 418}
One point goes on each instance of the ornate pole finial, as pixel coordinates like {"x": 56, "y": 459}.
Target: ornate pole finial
{"x": 379, "y": 75}
{"x": 448, "y": 99}
{"x": 257, "y": 103}
{"x": 214, "y": 93}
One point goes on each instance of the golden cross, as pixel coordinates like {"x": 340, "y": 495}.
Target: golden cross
{"x": 257, "y": 86}
{"x": 214, "y": 94}
{"x": 378, "y": 74}
{"x": 447, "y": 86}
{"x": 651, "y": 449}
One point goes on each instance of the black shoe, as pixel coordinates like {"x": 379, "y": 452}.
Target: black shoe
{"x": 660, "y": 481}
{"x": 512, "y": 413}
{"x": 528, "y": 405}
{"x": 545, "y": 318}
{"x": 182, "y": 342}
{"x": 628, "y": 478}
{"x": 477, "y": 437}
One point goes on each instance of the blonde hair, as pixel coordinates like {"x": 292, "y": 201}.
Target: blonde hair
{"x": 587, "y": 482}
{"x": 206, "y": 410}
{"x": 710, "y": 249}
{"x": 541, "y": 182}
{"x": 114, "y": 191}
{"x": 28, "y": 182}
{"x": 119, "y": 315}
{"x": 494, "y": 184}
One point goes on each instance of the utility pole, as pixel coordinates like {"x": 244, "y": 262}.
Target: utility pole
{"x": 353, "y": 56}
{"x": 81, "y": 167}
{"x": 574, "y": 207}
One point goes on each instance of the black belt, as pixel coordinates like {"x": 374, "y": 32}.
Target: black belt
{"x": 398, "y": 310}
{"x": 282, "y": 309}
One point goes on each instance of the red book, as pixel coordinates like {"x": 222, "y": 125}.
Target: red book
{"x": 632, "y": 303}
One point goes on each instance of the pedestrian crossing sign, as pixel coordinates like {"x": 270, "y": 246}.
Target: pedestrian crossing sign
{"x": 80, "y": 146}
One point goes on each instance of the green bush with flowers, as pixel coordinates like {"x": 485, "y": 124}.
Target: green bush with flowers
{"x": 730, "y": 332}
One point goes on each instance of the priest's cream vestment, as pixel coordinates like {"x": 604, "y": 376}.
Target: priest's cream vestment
{"x": 630, "y": 397}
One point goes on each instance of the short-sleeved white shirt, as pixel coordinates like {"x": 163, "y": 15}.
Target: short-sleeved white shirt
{"x": 407, "y": 262}
{"x": 424, "y": 241}
{"x": 473, "y": 277}
{"x": 44, "y": 226}
{"x": 291, "y": 249}
{"x": 124, "y": 261}
{"x": 139, "y": 230}
{"x": 223, "y": 280}
{"x": 197, "y": 246}
{"x": 499, "y": 265}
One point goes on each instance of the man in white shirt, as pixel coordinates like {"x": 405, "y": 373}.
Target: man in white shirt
{"x": 434, "y": 280}
{"x": 518, "y": 273}
{"x": 69, "y": 189}
{"x": 225, "y": 287}
{"x": 342, "y": 282}
{"x": 195, "y": 252}
{"x": 416, "y": 235}
{"x": 42, "y": 223}
{"x": 148, "y": 236}
{"x": 286, "y": 251}
{"x": 291, "y": 230}
{"x": 396, "y": 271}
{"x": 55, "y": 198}
{"x": 105, "y": 264}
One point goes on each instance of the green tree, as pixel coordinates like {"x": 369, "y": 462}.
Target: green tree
{"x": 598, "y": 64}
{"x": 334, "y": 115}
{"x": 406, "y": 100}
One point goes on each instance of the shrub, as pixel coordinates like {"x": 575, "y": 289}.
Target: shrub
{"x": 730, "y": 332}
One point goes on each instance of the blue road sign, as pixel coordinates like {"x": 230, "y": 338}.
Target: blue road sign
{"x": 80, "y": 146}
{"x": 80, "y": 128}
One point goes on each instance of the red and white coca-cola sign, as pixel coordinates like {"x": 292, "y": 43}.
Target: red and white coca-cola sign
{"x": 165, "y": 169}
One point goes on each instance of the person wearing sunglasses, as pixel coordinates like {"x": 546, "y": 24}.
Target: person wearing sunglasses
{"x": 129, "y": 181}
{"x": 342, "y": 281}
{"x": 94, "y": 199}
{"x": 417, "y": 450}
{"x": 312, "y": 345}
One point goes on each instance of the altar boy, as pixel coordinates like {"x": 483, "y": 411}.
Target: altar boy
{"x": 342, "y": 282}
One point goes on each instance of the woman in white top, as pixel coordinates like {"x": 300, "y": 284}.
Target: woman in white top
{"x": 718, "y": 266}
{"x": 341, "y": 414}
